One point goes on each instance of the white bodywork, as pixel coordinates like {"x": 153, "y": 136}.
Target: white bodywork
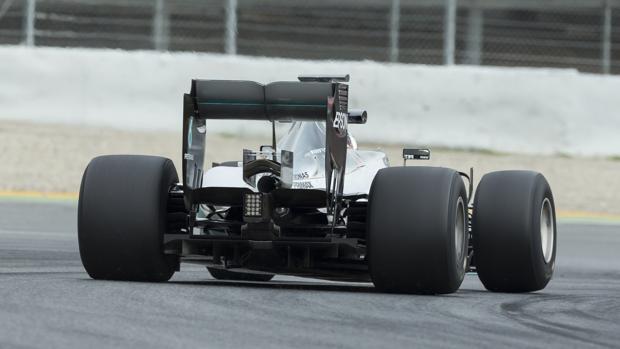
{"x": 307, "y": 142}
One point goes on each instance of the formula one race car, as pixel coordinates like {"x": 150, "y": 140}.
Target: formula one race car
{"x": 311, "y": 204}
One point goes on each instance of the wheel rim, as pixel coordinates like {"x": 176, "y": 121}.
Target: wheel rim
{"x": 546, "y": 230}
{"x": 460, "y": 233}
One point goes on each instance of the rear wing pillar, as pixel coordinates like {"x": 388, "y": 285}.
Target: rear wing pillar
{"x": 194, "y": 144}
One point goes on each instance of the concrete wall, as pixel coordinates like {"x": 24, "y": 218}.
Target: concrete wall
{"x": 515, "y": 110}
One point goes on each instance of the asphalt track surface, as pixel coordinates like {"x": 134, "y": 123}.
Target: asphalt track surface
{"x": 47, "y": 300}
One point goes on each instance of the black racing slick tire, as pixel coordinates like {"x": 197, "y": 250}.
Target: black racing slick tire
{"x": 514, "y": 231}
{"x": 417, "y": 234}
{"x": 122, "y": 216}
{"x": 223, "y": 274}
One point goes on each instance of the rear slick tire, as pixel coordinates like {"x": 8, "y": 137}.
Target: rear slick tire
{"x": 122, "y": 216}
{"x": 417, "y": 230}
{"x": 514, "y": 231}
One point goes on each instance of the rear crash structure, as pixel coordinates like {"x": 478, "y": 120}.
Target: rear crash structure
{"x": 310, "y": 205}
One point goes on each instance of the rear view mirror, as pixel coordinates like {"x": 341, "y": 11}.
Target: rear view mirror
{"x": 416, "y": 154}
{"x": 357, "y": 117}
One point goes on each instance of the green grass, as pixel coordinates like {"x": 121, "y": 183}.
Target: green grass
{"x": 227, "y": 135}
{"x": 483, "y": 151}
{"x": 614, "y": 158}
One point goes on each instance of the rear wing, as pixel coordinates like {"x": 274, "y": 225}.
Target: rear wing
{"x": 249, "y": 100}
{"x": 308, "y": 100}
